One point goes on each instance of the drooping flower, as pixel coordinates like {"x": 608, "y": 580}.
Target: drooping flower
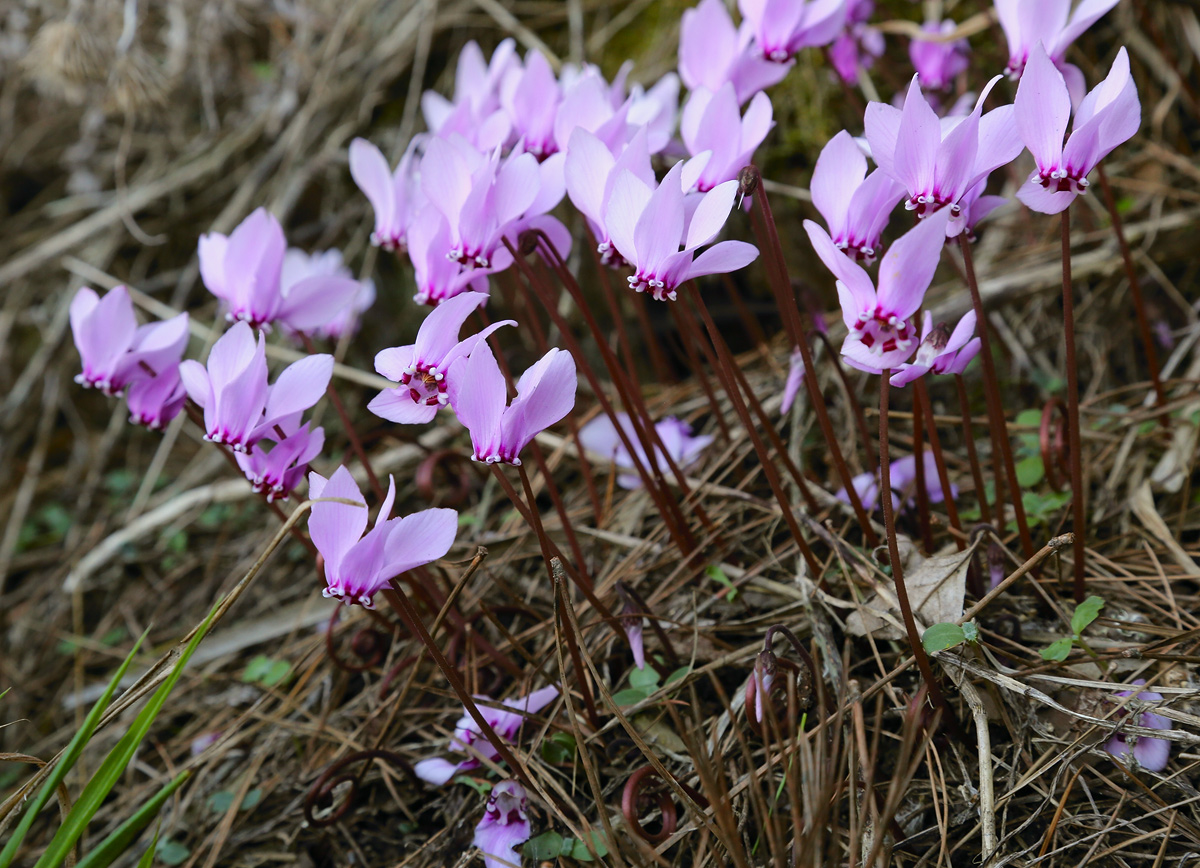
{"x": 591, "y": 171}
{"x": 881, "y": 331}
{"x": 856, "y": 206}
{"x": 1052, "y": 23}
{"x": 858, "y": 45}
{"x": 795, "y": 379}
{"x": 600, "y": 436}
{"x": 712, "y": 123}
{"x": 531, "y": 95}
{"x": 938, "y": 161}
{"x": 647, "y": 226}
{"x": 499, "y": 431}
{"x": 1107, "y": 117}
{"x": 713, "y": 51}
{"x": 277, "y": 473}
{"x": 155, "y": 401}
{"x": 245, "y": 269}
{"x": 394, "y": 195}
{"x": 903, "y": 472}
{"x": 299, "y": 266}
{"x": 114, "y": 349}
{"x": 475, "y": 114}
{"x": 239, "y": 407}
{"x": 939, "y": 62}
{"x": 941, "y": 351}
{"x": 506, "y": 721}
{"x": 1149, "y": 752}
{"x": 504, "y": 827}
{"x": 438, "y": 277}
{"x": 421, "y": 368}
{"x": 357, "y": 566}
{"x": 783, "y": 27}
{"x": 633, "y": 622}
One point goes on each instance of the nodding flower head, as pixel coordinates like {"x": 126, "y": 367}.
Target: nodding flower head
{"x": 1149, "y": 752}
{"x": 504, "y": 827}
{"x": 856, "y": 206}
{"x": 713, "y": 51}
{"x": 276, "y": 473}
{"x": 394, "y": 195}
{"x": 783, "y": 27}
{"x": 114, "y": 349}
{"x": 712, "y": 124}
{"x": 1028, "y": 22}
{"x": 939, "y": 62}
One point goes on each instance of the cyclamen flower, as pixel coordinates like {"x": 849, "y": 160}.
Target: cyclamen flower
{"x": 938, "y": 161}
{"x": 244, "y": 270}
{"x": 941, "y": 351}
{"x": 155, "y": 401}
{"x": 239, "y": 407}
{"x": 475, "y": 114}
{"x": 783, "y": 27}
{"x": 856, "y": 206}
{"x": 903, "y": 472}
{"x": 278, "y": 472}
{"x": 858, "y": 45}
{"x": 506, "y": 722}
{"x": 531, "y": 96}
{"x": 299, "y": 266}
{"x": 357, "y": 566}
{"x": 114, "y": 349}
{"x": 976, "y": 207}
{"x": 647, "y": 227}
{"x": 421, "y": 367}
{"x": 712, "y": 124}
{"x": 438, "y": 276}
{"x": 1149, "y": 752}
{"x": 600, "y": 436}
{"x": 712, "y": 52}
{"x": 477, "y": 392}
{"x": 394, "y": 195}
{"x": 1028, "y": 22}
{"x": 939, "y": 63}
{"x": 1107, "y": 117}
{"x": 881, "y": 330}
{"x": 795, "y": 379}
{"x": 591, "y": 171}
{"x": 504, "y": 827}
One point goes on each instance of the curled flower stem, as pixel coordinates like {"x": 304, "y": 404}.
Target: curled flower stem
{"x": 964, "y": 404}
{"x": 367, "y": 643}
{"x": 998, "y": 424}
{"x": 320, "y": 795}
{"x": 634, "y": 795}
{"x": 1074, "y": 447}
{"x": 1135, "y": 289}
{"x": 935, "y": 444}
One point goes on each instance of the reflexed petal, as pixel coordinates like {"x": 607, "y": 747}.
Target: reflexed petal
{"x": 299, "y": 386}
{"x": 850, "y": 275}
{"x": 917, "y": 142}
{"x": 722, "y": 258}
{"x": 477, "y": 394}
{"x": 907, "y": 268}
{"x": 625, "y": 206}
{"x": 435, "y": 771}
{"x": 419, "y": 539}
{"x": 882, "y": 123}
{"x": 335, "y": 527}
{"x": 659, "y": 229}
{"x": 840, "y": 169}
{"x": 710, "y": 215}
{"x": 195, "y": 381}
{"x": 313, "y": 302}
{"x": 394, "y": 362}
{"x": 1042, "y": 108}
{"x": 1044, "y": 201}
{"x": 587, "y": 168}
{"x": 370, "y": 171}
{"x": 439, "y": 332}
{"x": 396, "y": 405}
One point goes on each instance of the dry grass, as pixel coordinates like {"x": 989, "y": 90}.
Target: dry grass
{"x": 115, "y": 159}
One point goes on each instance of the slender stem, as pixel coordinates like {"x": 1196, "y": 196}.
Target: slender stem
{"x": 889, "y": 523}
{"x": 560, "y": 508}
{"x": 996, "y": 419}
{"x": 922, "y": 492}
{"x": 641, "y": 308}
{"x": 935, "y": 443}
{"x": 687, "y": 338}
{"x": 860, "y": 418}
{"x": 1075, "y": 448}
{"x": 556, "y": 578}
{"x": 964, "y": 404}
{"x": 1135, "y": 289}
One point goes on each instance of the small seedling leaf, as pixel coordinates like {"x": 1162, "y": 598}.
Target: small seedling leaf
{"x": 547, "y": 845}
{"x": 1059, "y": 650}
{"x": 481, "y": 787}
{"x": 629, "y": 697}
{"x": 579, "y": 849}
{"x": 970, "y": 631}
{"x": 171, "y": 852}
{"x": 678, "y": 675}
{"x": 1085, "y": 613}
{"x": 939, "y": 637}
{"x": 644, "y": 679}
{"x": 717, "y": 574}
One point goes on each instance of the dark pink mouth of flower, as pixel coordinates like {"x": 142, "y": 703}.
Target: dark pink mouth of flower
{"x": 926, "y": 203}
{"x": 1063, "y": 181}
{"x": 426, "y": 386}
{"x": 658, "y": 289}
{"x": 883, "y": 333}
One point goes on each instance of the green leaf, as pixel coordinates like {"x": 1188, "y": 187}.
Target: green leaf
{"x": 547, "y": 845}
{"x": 970, "y": 631}
{"x": 559, "y": 748}
{"x": 580, "y": 852}
{"x": 1059, "y": 649}
{"x": 171, "y": 852}
{"x": 1030, "y": 471}
{"x": 266, "y": 671}
{"x": 1029, "y": 418}
{"x": 644, "y": 679}
{"x": 629, "y": 697}
{"x": 1085, "y": 613}
{"x": 939, "y": 637}
{"x": 252, "y": 798}
{"x": 678, "y": 675}
{"x": 148, "y": 857}
{"x": 125, "y": 834}
{"x": 481, "y": 787}
{"x": 717, "y": 574}
{"x": 69, "y": 757}
{"x": 220, "y": 801}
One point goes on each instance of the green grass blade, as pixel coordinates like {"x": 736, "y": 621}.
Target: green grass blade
{"x": 70, "y": 756}
{"x": 125, "y": 834}
{"x": 148, "y": 857}
{"x": 114, "y": 764}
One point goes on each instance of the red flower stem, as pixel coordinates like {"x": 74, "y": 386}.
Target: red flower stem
{"x": 996, "y": 420}
{"x": 686, "y": 337}
{"x": 623, "y": 342}
{"x": 764, "y": 457}
{"x": 641, "y": 308}
{"x": 348, "y": 427}
{"x": 889, "y": 523}
{"x": 922, "y": 492}
{"x": 935, "y": 443}
{"x": 785, "y": 299}
{"x": 964, "y": 404}
{"x": 1135, "y": 289}
{"x": 1074, "y": 446}
{"x": 860, "y": 418}
{"x": 403, "y": 607}
{"x": 561, "y": 597}
{"x": 563, "y": 517}
{"x": 749, "y": 322}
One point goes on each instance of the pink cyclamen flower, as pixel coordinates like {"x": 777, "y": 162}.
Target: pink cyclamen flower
{"x": 858, "y": 45}
{"x": 591, "y": 171}
{"x": 856, "y": 206}
{"x": 795, "y": 379}
{"x": 394, "y": 195}
{"x": 277, "y": 473}
{"x": 506, "y": 721}
{"x": 499, "y": 431}
{"x": 903, "y": 472}
{"x": 1107, "y": 117}
{"x": 439, "y": 277}
{"x": 938, "y": 63}
{"x": 712, "y": 123}
{"x": 475, "y": 113}
{"x": 421, "y": 367}
{"x": 713, "y": 51}
{"x": 941, "y": 351}
{"x": 647, "y": 226}
{"x": 299, "y": 266}
{"x": 357, "y": 566}
{"x": 881, "y": 330}
{"x": 783, "y": 27}
{"x": 1052, "y": 23}
{"x": 936, "y": 160}
{"x": 504, "y": 827}
{"x": 245, "y": 269}
{"x": 632, "y": 622}
{"x": 531, "y": 96}
{"x": 114, "y": 349}
{"x": 155, "y": 401}
{"x": 239, "y": 407}
{"x": 600, "y": 436}
{"x": 1149, "y": 752}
